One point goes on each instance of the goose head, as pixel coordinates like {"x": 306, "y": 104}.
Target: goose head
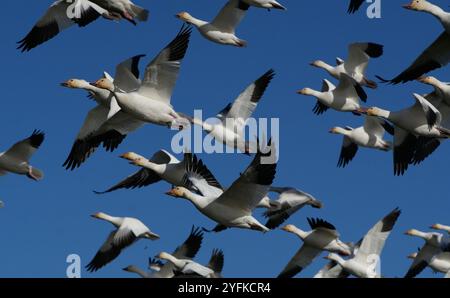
{"x": 306, "y": 91}
{"x": 184, "y": 16}
{"x": 339, "y": 131}
{"x": 440, "y": 227}
{"x": 104, "y": 84}
{"x": 377, "y": 112}
{"x": 417, "y": 5}
{"x": 177, "y": 192}
{"x": 428, "y": 80}
{"x": 319, "y": 64}
{"x": 132, "y": 157}
{"x": 417, "y": 233}
{"x": 164, "y": 256}
{"x": 100, "y": 215}
{"x": 75, "y": 84}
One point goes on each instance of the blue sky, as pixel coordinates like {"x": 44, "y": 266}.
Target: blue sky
{"x": 46, "y": 221}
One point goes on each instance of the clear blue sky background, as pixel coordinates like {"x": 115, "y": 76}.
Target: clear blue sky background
{"x": 44, "y": 222}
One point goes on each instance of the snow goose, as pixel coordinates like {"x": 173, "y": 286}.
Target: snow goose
{"x": 190, "y": 268}
{"x": 222, "y": 29}
{"x": 322, "y": 237}
{"x": 17, "y": 158}
{"x": 151, "y": 102}
{"x": 289, "y": 201}
{"x": 345, "y": 97}
{"x": 230, "y": 130}
{"x": 128, "y": 231}
{"x": 367, "y": 254}
{"x": 439, "y": 263}
{"x": 233, "y": 207}
{"x": 441, "y": 89}
{"x": 354, "y": 6}
{"x": 269, "y": 4}
{"x": 63, "y": 14}
{"x": 187, "y": 250}
{"x": 440, "y": 227}
{"x": 356, "y": 64}
{"x": 97, "y": 128}
{"x": 124, "y": 9}
{"x": 437, "y": 55}
{"x": 435, "y": 243}
{"x": 369, "y": 136}
{"x": 162, "y": 166}
{"x": 420, "y": 120}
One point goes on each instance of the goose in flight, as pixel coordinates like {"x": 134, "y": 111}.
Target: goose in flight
{"x": 440, "y": 227}
{"x": 150, "y": 103}
{"x": 190, "y": 268}
{"x": 420, "y": 120}
{"x": 367, "y": 253}
{"x": 437, "y": 55}
{"x": 63, "y": 14}
{"x": 17, "y": 158}
{"x": 289, "y": 201}
{"x": 230, "y": 130}
{"x": 186, "y": 251}
{"x": 269, "y": 4}
{"x": 344, "y": 98}
{"x": 441, "y": 89}
{"x": 438, "y": 263}
{"x": 222, "y": 29}
{"x": 128, "y": 231}
{"x": 97, "y": 129}
{"x": 369, "y": 136}
{"x": 233, "y": 207}
{"x": 162, "y": 166}
{"x": 354, "y": 6}
{"x": 322, "y": 237}
{"x": 435, "y": 243}
{"x": 356, "y": 64}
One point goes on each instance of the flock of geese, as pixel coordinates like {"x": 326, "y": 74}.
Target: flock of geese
{"x": 125, "y": 102}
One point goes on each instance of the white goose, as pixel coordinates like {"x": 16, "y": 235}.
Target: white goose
{"x": 189, "y": 268}
{"x": 17, "y": 158}
{"x": 187, "y": 250}
{"x": 124, "y": 9}
{"x": 420, "y": 120}
{"x": 440, "y": 227}
{"x": 233, "y": 207}
{"x": 369, "y": 136}
{"x": 128, "y": 231}
{"x": 162, "y": 166}
{"x": 230, "y": 130}
{"x": 269, "y": 4}
{"x": 435, "y": 243}
{"x": 439, "y": 263}
{"x": 151, "y": 102}
{"x": 63, "y": 14}
{"x": 322, "y": 237}
{"x": 441, "y": 89}
{"x": 367, "y": 253}
{"x": 437, "y": 54}
{"x": 222, "y": 29}
{"x": 97, "y": 128}
{"x": 289, "y": 201}
{"x": 356, "y": 64}
{"x": 344, "y": 98}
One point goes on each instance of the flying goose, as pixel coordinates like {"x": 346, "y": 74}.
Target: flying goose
{"x": 233, "y": 207}
{"x": 162, "y": 166}
{"x": 150, "y": 103}
{"x": 269, "y": 4}
{"x": 344, "y": 98}
{"x": 437, "y": 55}
{"x": 190, "y": 268}
{"x": 367, "y": 253}
{"x": 63, "y": 14}
{"x": 222, "y": 29}
{"x": 187, "y": 250}
{"x": 128, "y": 231}
{"x": 369, "y": 136}
{"x": 354, "y": 6}
{"x": 440, "y": 227}
{"x": 420, "y": 120}
{"x": 322, "y": 237}
{"x": 289, "y": 201}
{"x": 356, "y": 64}
{"x": 230, "y": 130}
{"x": 441, "y": 89}
{"x": 435, "y": 243}
{"x": 97, "y": 129}
{"x": 17, "y": 158}
{"x": 438, "y": 263}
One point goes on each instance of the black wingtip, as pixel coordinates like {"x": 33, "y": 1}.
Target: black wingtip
{"x": 374, "y": 50}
